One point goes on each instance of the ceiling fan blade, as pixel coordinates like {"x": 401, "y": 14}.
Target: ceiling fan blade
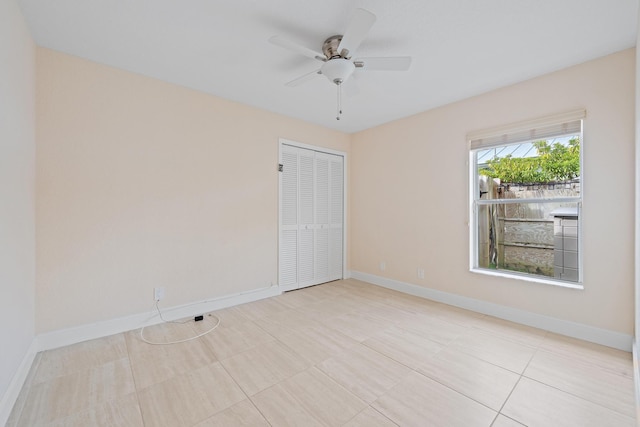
{"x": 295, "y": 47}
{"x": 304, "y": 78}
{"x": 356, "y": 31}
{"x": 390, "y": 63}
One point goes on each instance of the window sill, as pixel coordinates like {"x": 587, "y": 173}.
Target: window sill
{"x": 528, "y": 278}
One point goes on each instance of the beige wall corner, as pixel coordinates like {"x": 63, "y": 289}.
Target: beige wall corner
{"x": 17, "y": 192}
{"x": 409, "y": 194}
{"x": 143, "y": 184}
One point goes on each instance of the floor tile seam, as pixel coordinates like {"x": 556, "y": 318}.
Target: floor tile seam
{"x": 311, "y": 363}
{"x": 386, "y": 417}
{"x": 506, "y": 338}
{"x": 565, "y": 355}
{"x": 138, "y": 359}
{"x": 294, "y": 397}
{"x": 374, "y": 409}
{"x": 209, "y": 346}
{"x": 466, "y": 353}
{"x": 438, "y": 318}
{"x": 382, "y": 354}
{"x": 395, "y": 383}
{"x": 172, "y": 362}
{"x": 213, "y": 414}
{"x": 511, "y": 418}
{"x": 456, "y": 391}
{"x": 259, "y": 325}
{"x": 521, "y": 375}
{"x": 502, "y": 368}
{"x": 507, "y": 400}
{"x": 298, "y": 355}
{"x": 564, "y": 352}
{"x": 446, "y": 319}
{"x": 246, "y": 393}
{"x": 77, "y": 371}
{"x": 246, "y": 350}
{"x": 567, "y": 341}
{"x": 295, "y": 306}
{"x": 172, "y": 377}
{"x": 328, "y": 377}
{"x": 133, "y": 377}
{"x": 412, "y": 332}
{"x": 632, "y": 411}
{"x": 94, "y": 407}
{"x": 84, "y": 373}
{"x": 253, "y": 404}
{"x": 590, "y": 365}
{"x": 424, "y": 335}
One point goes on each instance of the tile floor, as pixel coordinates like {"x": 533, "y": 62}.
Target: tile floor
{"x": 341, "y": 354}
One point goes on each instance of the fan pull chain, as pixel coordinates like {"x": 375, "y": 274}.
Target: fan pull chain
{"x": 339, "y": 84}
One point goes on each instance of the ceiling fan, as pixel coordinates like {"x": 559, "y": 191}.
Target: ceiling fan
{"x": 337, "y": 55}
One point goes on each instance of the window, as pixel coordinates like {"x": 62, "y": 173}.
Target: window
{"x": 526, "y": 199}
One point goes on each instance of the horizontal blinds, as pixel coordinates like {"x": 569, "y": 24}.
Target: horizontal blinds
{"x": 567, "y": 123}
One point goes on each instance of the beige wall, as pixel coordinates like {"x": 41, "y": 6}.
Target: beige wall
{"x": 409, "y": 196}
{"x": 17, "y": 191}
{"x": 142, "y": 184}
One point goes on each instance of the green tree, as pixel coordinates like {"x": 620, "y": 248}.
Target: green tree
{"x": 554, "y": 163}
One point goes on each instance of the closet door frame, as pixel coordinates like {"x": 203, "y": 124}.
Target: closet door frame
{"x": 343, "y": 154}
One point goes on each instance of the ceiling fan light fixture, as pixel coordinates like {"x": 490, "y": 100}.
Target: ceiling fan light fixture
{"x": 337, "y": 70}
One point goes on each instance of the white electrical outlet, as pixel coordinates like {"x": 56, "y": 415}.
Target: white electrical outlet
{"x": 420, "y": 273}
{"x": 158, "y": 293}
{"x": 383, "y": 266}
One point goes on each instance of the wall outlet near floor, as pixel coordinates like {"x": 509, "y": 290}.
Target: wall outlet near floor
{"x": 383, "y": 266}
{"x": 420, "y": 273}
{"x": 158, "y": 293}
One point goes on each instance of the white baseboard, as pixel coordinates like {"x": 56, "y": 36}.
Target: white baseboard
{"x": 62, "y": 337}
{"x": 13, "y": 391}
{"x": 564, "y": 327}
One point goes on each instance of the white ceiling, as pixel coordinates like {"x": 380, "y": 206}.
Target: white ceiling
{"x": 460, "y": 48}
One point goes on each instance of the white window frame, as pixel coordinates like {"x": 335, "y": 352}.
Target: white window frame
{"x": 525, "y": 131}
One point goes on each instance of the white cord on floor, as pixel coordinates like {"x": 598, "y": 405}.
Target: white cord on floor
{"x": 179, "y": 322}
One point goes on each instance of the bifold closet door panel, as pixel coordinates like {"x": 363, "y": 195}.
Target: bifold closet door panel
{"x": 288, "y": 247}
{"x": 306, "y": 220}
{"x": 311, "y": 217}
{"x": 336, "y": 217}
{"x": 322, "y": 217}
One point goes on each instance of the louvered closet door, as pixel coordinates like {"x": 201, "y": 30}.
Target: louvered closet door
{"x": 288, "y": 259}
{"x": 311, "y": 217}
{"x": 336, "y": 216}
{"x": 322, "y": 217}
{"x": 306, "y": 245}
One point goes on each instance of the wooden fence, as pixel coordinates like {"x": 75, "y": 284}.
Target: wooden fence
{"x": 518, "y": 237}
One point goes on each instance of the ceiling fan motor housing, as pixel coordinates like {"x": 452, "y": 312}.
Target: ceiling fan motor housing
{"x": 330, "y": 47}
{"x": 337, "y": 70}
